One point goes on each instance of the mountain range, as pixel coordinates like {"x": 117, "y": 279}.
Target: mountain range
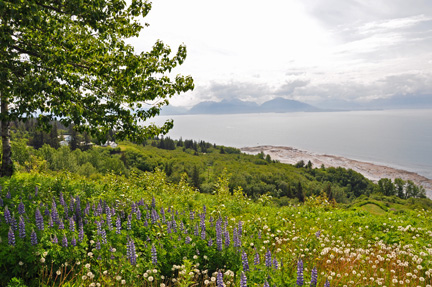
{"x": 282, "y": 105}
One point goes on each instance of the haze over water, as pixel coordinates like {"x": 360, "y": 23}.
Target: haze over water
{"x": 396, "y": 138}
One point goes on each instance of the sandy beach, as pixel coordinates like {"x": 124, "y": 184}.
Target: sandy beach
{"x": 371, "y": 171}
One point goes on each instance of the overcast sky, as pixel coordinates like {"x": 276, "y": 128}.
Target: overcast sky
{"x": 308, "y": 50}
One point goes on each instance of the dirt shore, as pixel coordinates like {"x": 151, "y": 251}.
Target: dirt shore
{"x": 369, "y": 170}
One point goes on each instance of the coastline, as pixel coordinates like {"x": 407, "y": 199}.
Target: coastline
{"x": 371, "y": 171}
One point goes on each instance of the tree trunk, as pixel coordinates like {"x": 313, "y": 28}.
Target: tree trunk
{"x": 7, "y": 165}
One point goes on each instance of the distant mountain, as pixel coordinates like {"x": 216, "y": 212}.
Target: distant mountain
{"x": 225, "y": 107}
{"x": 278, "y": 105}
{"x": 281, "y": 105}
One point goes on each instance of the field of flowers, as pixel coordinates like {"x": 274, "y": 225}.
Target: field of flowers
{"x": 62, "y": 230}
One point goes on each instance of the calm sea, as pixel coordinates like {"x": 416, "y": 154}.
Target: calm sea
{"x": 396, "y": 138}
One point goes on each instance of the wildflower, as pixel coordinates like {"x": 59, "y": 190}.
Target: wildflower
{"x": 300, "y": 273}
{"x": 268, "y": 262}
{"x": 81, "y": 233}
{"x": 118, "y": 277}
{"x": 314, "y": 277}
{"x": 245, "y": 262}
{"x": 123, "y": 282}
{"x": 33, "y": 238}
{"x": 243, "y": 280}
{"x": 55, "y": 240}
{"x": 71, "y": 224}
{"x": 7, "y": 215}
{"x": 118, "y": 225}
{"x": 219, "y": 279}
{"x": 39, "y": 219}
{"x": 42, "y": 260}
{"x": 327, "y": 283}
{"x": 132, "y": 253}
{"x": 219, "y": 234}
{"x": 73, "y": 241}
{"x": 150, "y": 278}
{"x": 21, "y": 228}
{"x": 266, "y": 284}
{"x": 64, "y": 241}
{"x": 154, "y": 255}
{"x": 20, "y": 263}
{"x": 21, "y": 208}
{"x": 58, "y": 272}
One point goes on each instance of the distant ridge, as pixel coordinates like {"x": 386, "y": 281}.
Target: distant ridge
{"x": 234, "y": 106}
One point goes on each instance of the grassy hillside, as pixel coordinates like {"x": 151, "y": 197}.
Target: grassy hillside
{"x": 143, "y": 230}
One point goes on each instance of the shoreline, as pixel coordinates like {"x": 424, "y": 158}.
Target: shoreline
{"x": 369, "y": 170}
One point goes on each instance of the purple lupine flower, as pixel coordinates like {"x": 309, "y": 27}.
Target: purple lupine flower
{"x": 145, "y": 223}
{"x": 132, "y": 253}
{"x": 268, "y": 257}
{"x": 64, "y": 241}
{"x": 259, "y": 234}
{"x": 7, "y": 215}
{"x": 191, "y": 215}
{"x": 240, "y": 229}
{"x": 22, "y": 233}
{"x": 61, "y": 199}
{"x": 98, "y": 227}
{"x": 50, "y": 221}
{"x": 98, "y": 246}
{"x": 54, "y": 213}
{"x": 80, "y": 232}
{"x": 71, "y": 224}
{"x": 104, "y": 236}
{"x": 73, "y": 241}
{"x": 275, "y": 263}
{"x": 245, "y": 262}
{"x": 256, "y": 259}
{"x": 162, "y": 212}
{"x": 300, "y": 280}
{"x": 133, "y": 207}
{"x": 154, "y": 255}
{"x": 210, "y": 242}
{"x": 21, "y": 208}
{"x": 187, "y": 240}
{"x": 196, "y": 230}
{"x": 36, "y": 190}
{"x": 138, "y": 214}
{"x": 154, "y": 216}
{"x": 129, "y": 223}
{"x": 33, "y": 238}
{"x": 318, "y": 233}
{"x": 47, "y": 212}
{"x": 219, "y": 279}
{"x": 314, "y": 277}
{"x": 153, "y": 203}
{"x": 243, "y": 280}
{"x": 39, "y": 219}
{"x": 61, "y": 225}
{"x": 13, "y": 223}
{"x": 203, "y": 233}
{"x": 8, "y": 195}
{"x": 118, "y": 225}
{"x": 266, "y": 284}
{"x": 11, "y": 237}
{"x": 55, "y": 240}
{"x": 219, "y": 234}
{"x": 236, "y": 238}
{"x": 327, "y": 283}
{"x": 108, "y": 219}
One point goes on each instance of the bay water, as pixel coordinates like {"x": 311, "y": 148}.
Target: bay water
{"x": 396, "y": 138}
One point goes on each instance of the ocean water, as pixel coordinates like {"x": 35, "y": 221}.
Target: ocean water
{"x": 396, "y": 138}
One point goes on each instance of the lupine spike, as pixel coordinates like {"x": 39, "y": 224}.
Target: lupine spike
{"x": 268, "y": 257}
{"x": 314, "y": 277}
{"x": 22, "y": 233}
{"x": 154, "y": 255}
{"x": 243, "y": 280}
{"x": 300, "y": 280}
{"x": 11, "y": 237}
{"x": 33, "y": 238}
{"x": 39, "y": 219}
{"x": 21, "y": 208}
{"x": 64, "y": 241}
{"x": 327, "y": 283}
{"x": 219, "y": 279}
{"x": 245, "y": 262}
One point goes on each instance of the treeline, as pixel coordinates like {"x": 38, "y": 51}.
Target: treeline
{"x": 203, "y": 163}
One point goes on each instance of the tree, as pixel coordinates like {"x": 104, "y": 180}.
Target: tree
{"x": 67, "y": 60}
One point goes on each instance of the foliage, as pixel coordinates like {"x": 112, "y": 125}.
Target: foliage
{"x": 69, "y": 61}
{"x": 170, "y": 234}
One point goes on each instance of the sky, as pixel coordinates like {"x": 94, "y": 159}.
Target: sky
{"x": 306, "y": 50}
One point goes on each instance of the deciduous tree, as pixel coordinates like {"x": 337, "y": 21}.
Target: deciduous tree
{"x": 68, "y": 60}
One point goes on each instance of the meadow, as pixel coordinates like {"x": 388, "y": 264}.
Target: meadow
{"x": 62, "y": 229}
